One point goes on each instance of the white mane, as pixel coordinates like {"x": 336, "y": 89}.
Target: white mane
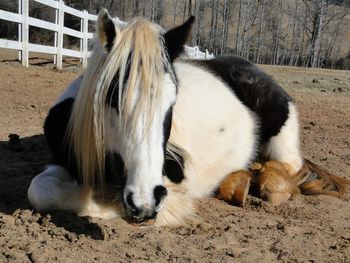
{"x": 138, "y": 57}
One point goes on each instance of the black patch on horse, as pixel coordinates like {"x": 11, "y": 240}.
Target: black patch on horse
{"x": 112, "y": 93}
{"x": 173, "y": 169}
{"x": 134, "y": 209}
{"x": 115, "y": 171}
{"x": 159, "y": 193}
{"x": 167, "y": 126}
{"x": 55, "y": 128}
{"x": 257, "y": 90}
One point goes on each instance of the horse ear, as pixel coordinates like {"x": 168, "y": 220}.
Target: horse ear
{"x": 176, "y": 38}
{"x": 106, "y": 29}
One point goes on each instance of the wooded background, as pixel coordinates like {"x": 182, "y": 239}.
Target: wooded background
{"x": 308, "y": 33}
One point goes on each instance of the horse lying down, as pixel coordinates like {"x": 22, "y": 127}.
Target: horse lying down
{"x": 141, "y": 136}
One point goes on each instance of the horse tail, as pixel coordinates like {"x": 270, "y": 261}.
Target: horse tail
{"x": 313, "y": 179}
{"x": 277, "y": 184}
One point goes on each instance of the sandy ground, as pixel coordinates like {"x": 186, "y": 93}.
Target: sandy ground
{"x": 306, "y": 229}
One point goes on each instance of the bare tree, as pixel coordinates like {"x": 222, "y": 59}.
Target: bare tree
{"x": 238, "y": 27}
{"x": 176, "y": 11}
{"x": 260, "y": 31}
{"x": 295, "y": 32}
{"x": 135, "y": 7}
{"x": 318, "y": 27}
{"x": 277, "y": 33}
{"x": 225, "y": 23}
{"x": 196, "y": 36}
{"x": 156, "y": 10}
{"x": 214, "y": 24}
{"x": 247, "y": 22}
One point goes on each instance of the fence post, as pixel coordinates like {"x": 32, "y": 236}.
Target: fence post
{"x": 55, "y": 37}
{"x": 60, "y": 33}
{"x": 85, "y": 38}
{"x": 20, "y": 29}
{"x": 81, "y": 39}
{"x": 25, "y": 32}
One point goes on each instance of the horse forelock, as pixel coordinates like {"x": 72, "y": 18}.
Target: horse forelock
{"x": 133, "y": 71}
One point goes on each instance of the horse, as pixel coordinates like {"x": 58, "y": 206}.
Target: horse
{"x": 142, "y": 134}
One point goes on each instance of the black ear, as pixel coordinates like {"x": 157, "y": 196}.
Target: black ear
{"x": 106, "y": 29}
{"x": 176, "y": 38}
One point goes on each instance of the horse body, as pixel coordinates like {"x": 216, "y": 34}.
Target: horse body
{"x": 275, "y": 109}
{"x": 212, "y": 119}
{"x": 216, "y": 130}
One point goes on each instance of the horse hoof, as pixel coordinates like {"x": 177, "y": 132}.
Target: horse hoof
{"x": 278, "y": 198}
{"x": 255, "y": 166}
{"x": 275, "y": 183}
{"x": 234, "y": 189}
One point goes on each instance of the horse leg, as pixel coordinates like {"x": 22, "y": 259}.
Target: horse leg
{"x": 285, "y": 146}
{"x": 55, "y": 189}
{"x": 235, "y": 187}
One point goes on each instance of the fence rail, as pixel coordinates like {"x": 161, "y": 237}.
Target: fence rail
{"x": 196, "y": 53}
{"x": 25, "y": 21}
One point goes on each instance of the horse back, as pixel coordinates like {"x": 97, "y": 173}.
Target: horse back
{"x": 257, "y": 90}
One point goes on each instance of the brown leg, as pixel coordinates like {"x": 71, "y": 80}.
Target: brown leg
{"x": 275, "y": 183}
{"x": 235, "y": 188}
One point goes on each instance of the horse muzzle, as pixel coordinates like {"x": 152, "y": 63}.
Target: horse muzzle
{"x": 146, "y": 211}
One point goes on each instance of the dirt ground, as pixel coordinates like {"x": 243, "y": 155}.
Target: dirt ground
{"x": 306, "y": 229}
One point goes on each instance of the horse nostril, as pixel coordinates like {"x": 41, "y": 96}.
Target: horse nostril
{"x": 159, "y": 193}
{"x": 147, "y": 210}
{"x": 130, "y": 203}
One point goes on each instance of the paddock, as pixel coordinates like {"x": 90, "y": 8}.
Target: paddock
{"x": 307, "y": 228}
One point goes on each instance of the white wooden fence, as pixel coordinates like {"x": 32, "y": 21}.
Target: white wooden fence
{"x": 195, "y": 53}
{"x": 24, "y": 21}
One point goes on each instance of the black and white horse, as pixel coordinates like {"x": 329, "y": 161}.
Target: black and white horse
{"x": 162, "y": 133}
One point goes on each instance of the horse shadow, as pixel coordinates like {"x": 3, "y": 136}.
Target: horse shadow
{"x": 20, "y": 161}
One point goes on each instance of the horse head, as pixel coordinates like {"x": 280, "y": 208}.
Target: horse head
{"x": 124, "y": 106}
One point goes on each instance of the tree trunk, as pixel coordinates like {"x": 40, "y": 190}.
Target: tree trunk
{"x": 225, "y": 20}
{"x": 260, "y": 32}
{"x": 135, "y": 7}
{"x": 294, "y": 33}
{"x": 276, "y": 53}
{"x": 196, "y": 31}
{"x": 175, "y": 6}
{"x": 318, "y": 34}
{"x": 212, "y": 24}
{"x": 153, "y": 10}
{"x": 216, "y": 27}
{"x": 237, "y": 46}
